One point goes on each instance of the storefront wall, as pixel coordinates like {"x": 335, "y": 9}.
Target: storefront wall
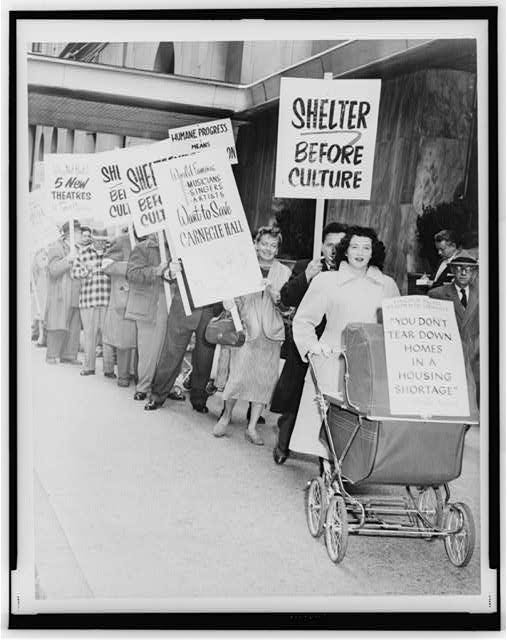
{"x": 425, "y": 124}
{"x": 424, "y": 129}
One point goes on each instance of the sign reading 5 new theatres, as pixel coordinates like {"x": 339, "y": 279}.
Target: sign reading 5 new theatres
{"x": 326, "y": 138}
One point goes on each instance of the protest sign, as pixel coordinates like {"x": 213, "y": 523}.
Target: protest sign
{"x": 326, "y": 138}
{"x": 424, "y": 356}
{"x": 43, "y": 229}
{"x": 142, "y": 200}
{"x": 217, "y": 134}
{"x": 112, "y": 199}
{"x": 70, "y": 185}
{"x": 37, "y": 175}
{"x": 207, "y": 226}
{"x": 136, "y": 168}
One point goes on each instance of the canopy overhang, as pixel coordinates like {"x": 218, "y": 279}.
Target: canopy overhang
{"x": 109, "y": 99}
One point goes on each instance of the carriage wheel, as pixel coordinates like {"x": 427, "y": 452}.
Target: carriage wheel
{"x": 460, "y": 546}
{"x": 431, "y": 506}
{"x": 337, "y": 530}
{"x": 315, "y": 506}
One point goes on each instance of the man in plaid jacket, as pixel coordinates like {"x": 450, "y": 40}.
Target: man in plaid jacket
{"x": 93, "y": 299}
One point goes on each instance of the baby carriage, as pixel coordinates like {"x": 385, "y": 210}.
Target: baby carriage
{"x": 368, "y": 445}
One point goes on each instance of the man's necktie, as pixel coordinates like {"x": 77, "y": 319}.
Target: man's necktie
{"x": 463, "y": 297}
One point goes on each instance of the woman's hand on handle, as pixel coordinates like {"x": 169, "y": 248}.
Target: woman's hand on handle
{"x": 321, "y": 349}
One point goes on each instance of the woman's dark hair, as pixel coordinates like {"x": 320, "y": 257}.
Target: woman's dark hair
{"x": 274, "y": 232}
{"x": 378, "y": 250}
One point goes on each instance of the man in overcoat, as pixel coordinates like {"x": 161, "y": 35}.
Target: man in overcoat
{"x": 119, "y": 332}
{"x": 463, "y": 293}
{"x": 287, "y": 394}
{"x": 62, "y": 315}
{"x": 179, "y": 330}
{"x": 146, "y": 305}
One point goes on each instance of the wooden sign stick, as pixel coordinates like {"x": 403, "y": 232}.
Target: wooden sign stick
{"x": 163, "y": 259}
{"x": 131, "y": 235}
{"x": 179, "y": 279}
{"x": 72, "y": 236}
{"x": 236, "y": 319}
{"x": 319, "y": 211}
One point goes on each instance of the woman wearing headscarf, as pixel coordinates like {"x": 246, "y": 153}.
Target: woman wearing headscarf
{"x": 353, "y": 293}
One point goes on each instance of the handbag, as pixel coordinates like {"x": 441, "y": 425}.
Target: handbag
{"x": 221, "y": 330}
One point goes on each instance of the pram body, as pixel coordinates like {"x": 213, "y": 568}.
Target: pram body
{"x": 369, "y": 445}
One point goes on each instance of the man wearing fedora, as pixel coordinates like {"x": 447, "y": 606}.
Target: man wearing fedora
{"x": 93, "y": 299}
{"x": 463, "y": 293}
{"x": 62, "y": 306}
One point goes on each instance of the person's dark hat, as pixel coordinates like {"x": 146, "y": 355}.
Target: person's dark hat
{"x": 464, "y": 259}
{"x": 99, "y": 234}
{"x": 65, "y": 226}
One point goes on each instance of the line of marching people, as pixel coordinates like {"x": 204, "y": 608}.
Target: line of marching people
{"x": 106, "y": 288}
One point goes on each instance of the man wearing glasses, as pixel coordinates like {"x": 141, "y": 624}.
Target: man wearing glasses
{"x": 464, "y": 294}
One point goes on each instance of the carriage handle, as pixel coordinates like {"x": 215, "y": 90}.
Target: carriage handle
{"x": 341, "y": 354}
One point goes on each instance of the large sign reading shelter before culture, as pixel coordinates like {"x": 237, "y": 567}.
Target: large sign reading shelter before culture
{"x": 326, "y": 138}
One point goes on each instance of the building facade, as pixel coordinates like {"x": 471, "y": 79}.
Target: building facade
{"x": 426, "y": 149}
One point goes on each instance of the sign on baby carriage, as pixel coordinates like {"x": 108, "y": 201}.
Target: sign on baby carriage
{"x": 424, "y": 355}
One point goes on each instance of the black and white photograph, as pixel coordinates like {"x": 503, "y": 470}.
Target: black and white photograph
{"x": 257, "y": 313}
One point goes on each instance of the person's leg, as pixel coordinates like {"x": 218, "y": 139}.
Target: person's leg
{"x": 223, "y": 367}
{"x": 91, "y": 327}
{"x": 286, "y": 424}
{"x": 202, "y": 361}
{"x": 71, "y": 347}
{"x": 221, "y": 427}
{"x": 108, "y": 360}
{"x": 150, "y": 340}
{"x": 145, "y": 367}
{"x": 88, "y": 336}
{"x": 123, "y": 357}
{"x": 173, "y": 350}
{"x": 251, "y": 432}
{"x": 55, "y": 341}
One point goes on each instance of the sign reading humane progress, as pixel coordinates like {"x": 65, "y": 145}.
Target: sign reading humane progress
{"x": 207, "y": 227}
{"x": 424, "y": 355}
{"x": 43, "y": 229}
{"x": 326, "y": 138}
{"x": 69, "y": 185}
{"x": 217, "y": 134}
{"x": 139, "y": 190}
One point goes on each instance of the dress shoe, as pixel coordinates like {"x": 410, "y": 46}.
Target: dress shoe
{"x": 109, "y": 374}
{"x": 123, "y": 382}
{"x": 200, "y": 408}
{"x": 51, "y": 360}
{"x": 254, "y": 438}
{"x": 71, "y": 361}
{"x": 140, "y": 395}
{"x": 87, "y": 372}
{"x": 220, "y": 429}
{"x": 176, "y": 393}
{"x": 280, "y": 456}
{"x": 152, "y": 405}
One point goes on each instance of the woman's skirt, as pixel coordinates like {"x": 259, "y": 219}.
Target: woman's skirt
{"x": 253, "y": 371}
